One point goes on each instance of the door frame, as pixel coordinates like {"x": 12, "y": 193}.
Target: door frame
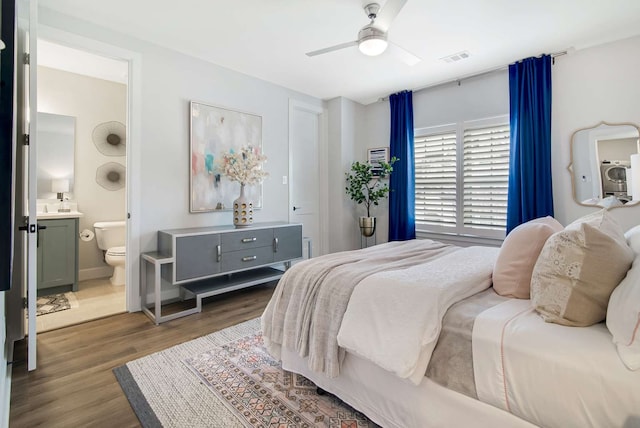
{"x": 323, "y": 169}
{"x": 134, "y": 139}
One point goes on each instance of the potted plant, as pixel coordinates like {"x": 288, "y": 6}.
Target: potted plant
{"x": 365, "y": 185}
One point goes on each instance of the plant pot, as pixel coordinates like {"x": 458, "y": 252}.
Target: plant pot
{"x": 367, "y": 226}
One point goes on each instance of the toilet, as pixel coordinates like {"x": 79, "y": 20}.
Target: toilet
{"x": 111, "y": 237}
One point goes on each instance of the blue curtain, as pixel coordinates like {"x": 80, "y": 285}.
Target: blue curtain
{"x": 530, "y": 190}
{"x": 402, "y": 204}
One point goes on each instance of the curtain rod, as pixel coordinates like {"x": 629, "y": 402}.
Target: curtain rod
{"x": 459, "y": 80}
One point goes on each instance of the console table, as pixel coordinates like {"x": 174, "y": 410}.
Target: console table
{"x": 207, "y": 261}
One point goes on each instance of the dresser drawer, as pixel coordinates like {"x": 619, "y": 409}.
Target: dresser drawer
{"x": 237, "y": 260}
{"x": 241, "y": 240}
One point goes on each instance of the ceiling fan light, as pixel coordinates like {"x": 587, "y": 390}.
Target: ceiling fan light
{"x": 373, "y": 46}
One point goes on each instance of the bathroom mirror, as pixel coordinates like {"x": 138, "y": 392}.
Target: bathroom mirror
{"x": 56, "y": 153}
{"x": 601, "y": 165}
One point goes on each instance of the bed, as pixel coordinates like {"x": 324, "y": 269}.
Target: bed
{"x": 414, "y": 335}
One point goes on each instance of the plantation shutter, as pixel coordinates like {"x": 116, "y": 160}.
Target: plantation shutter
{"x": 435, "y": 161}
{"x": 485, "y": 177}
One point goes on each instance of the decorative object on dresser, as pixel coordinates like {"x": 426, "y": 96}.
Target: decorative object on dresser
{"x": 215, "y": 131}
{"x": 207, "y": 261}
{"x": 245, "y": 167}
{"x": 365, "y": 186}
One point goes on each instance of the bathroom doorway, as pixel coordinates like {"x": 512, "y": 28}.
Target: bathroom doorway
{"x": 82, "y": 175}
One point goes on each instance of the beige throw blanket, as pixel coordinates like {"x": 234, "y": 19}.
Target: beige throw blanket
{"x": 307, "y": 307}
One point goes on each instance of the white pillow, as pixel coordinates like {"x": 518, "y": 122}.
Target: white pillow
{"x": 623, "y": 316}
{"x": 633, "y": 238}
{"x": 623, "y": 312}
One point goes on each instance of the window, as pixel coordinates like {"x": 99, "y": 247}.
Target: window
{"x": 462, "y": 175}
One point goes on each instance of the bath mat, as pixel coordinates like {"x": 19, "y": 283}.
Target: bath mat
{"x": 227, "y": 379}
{"x": 55, "y": 303}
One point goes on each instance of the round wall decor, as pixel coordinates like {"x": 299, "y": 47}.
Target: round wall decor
{"x": 110, "y": 138}
{"x": 111, "y": 176}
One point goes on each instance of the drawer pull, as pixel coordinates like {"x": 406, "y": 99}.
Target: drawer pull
{"x": 245, "y": 240}
{"x": 249, "y": 258}
{"x": 275, "y": 245}
{"x": 218, "y": 253}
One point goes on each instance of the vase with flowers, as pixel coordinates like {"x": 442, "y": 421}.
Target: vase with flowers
{"x": 245, "y": 167}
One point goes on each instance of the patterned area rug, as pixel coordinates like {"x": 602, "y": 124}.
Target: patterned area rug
{"x": 262, "y": 394}
{"x": 55, "y": 303}
{"x": 226, "y": 379}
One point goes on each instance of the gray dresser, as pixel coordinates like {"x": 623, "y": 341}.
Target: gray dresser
{"x": 207, "y": 261}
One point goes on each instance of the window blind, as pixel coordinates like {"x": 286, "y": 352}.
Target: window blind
{"x": 485, "y": 177}
{"x": 435, "y": 182}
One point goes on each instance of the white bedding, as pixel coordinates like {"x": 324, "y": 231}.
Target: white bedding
{"x": 395, "y": 403}
{"x": 552, "y": 375}
{"x": 394, "y": 318}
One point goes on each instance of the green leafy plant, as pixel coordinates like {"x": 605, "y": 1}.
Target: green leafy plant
{"x": 365, "y": 185}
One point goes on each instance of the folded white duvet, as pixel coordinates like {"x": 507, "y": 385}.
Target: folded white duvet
{"x": 394, "y": 318}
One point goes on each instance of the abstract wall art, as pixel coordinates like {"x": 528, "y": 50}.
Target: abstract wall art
{"x": 215, "y": 131}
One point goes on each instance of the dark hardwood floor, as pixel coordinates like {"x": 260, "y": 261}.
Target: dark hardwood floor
{"x": 74, "y": 385}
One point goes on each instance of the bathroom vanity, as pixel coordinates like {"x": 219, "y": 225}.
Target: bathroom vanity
{"x": 57, "y": 252}
{"x": 208, "y": 261}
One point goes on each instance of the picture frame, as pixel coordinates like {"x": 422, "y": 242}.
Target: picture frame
{"x": 214, "y": 131}
{"x": 375, "y": 156}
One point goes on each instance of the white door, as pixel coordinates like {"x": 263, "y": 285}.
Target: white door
{"x": 26, "y": 114}
{"x": 304, "y": 172}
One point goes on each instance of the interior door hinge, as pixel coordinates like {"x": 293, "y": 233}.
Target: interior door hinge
{"x": 25, "y": 139}
{"x": 27, "y": 58}
{"x": 25, "y": 303}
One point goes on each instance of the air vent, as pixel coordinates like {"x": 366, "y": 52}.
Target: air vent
{"x": 459, "y": 56}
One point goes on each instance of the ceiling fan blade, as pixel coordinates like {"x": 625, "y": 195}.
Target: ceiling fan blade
{"x": 403, "y": 54}
{"x": 333, "y": 48}
{"x": 388, "y": 13}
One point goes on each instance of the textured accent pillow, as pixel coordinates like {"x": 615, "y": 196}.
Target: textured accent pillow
{"x": 578, "y": 269}
{"x": 623, "y": 317}
{"x": 519, "y": 253}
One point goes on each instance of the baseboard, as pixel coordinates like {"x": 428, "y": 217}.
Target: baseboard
{"x": 94, "y": 273}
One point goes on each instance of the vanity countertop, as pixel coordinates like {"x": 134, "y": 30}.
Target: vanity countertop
{"x": 55, "y": 215}
{"x": 48, "y": 210}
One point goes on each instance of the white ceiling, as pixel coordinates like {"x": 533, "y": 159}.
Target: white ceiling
{"x": 80, "y": 62}
{"x": 268, "y": 38}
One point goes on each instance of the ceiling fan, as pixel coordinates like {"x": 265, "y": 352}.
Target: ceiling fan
{"x": 372, "y": 38}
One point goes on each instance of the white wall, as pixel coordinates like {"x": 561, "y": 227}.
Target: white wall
{"x": 92, "y": 102}
{"x": 345, "y": 128}
{"x": 589, "y": 86}
{"x": 169, "y": 81}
